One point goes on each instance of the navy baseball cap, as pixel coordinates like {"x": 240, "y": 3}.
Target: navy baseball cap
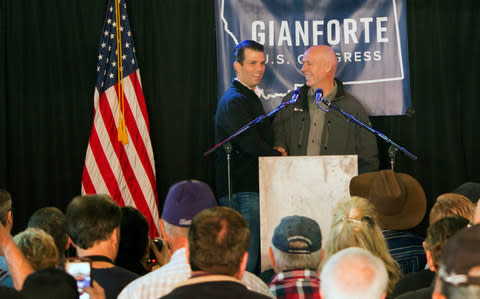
{"x": 297, "y": 235}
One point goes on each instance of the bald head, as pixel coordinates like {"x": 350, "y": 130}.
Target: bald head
{"x": 324, "y": 53}
{"x": 319, "y": 67}
{"x": 354, "y": 272}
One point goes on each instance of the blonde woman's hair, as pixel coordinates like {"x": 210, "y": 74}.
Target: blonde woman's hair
{"x": 38, "y": 247}
{"x": 354, "y": 225}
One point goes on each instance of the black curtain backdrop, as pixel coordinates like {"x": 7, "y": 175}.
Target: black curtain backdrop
{"x": 48, "y": 54}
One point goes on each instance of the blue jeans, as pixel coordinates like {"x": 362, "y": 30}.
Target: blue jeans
{"x": 246, "y": 203}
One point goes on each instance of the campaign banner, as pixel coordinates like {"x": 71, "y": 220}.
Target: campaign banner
{"x": 368, "y": 36}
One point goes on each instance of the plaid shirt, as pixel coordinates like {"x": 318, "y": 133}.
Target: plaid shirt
{"x": 296, "y": 284}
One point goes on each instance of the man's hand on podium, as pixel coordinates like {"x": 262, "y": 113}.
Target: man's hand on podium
{"x": 281, "y": 150}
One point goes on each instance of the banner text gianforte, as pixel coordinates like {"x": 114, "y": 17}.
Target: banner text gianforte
{"x": 311, "y": 33}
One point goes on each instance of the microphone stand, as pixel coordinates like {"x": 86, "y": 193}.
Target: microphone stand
{"x": 227, "y": 145}
{"x": 393, "y": 146}
{"x": 228, "y": 150}
{"x": 392, "y": 151}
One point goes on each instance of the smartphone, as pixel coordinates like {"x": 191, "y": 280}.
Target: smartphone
{"x": 80, "y": 269}
{"x": 152, "y": 259}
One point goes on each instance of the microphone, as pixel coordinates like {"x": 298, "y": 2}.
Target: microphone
{"x": 295, "y": 95}
{"x": 319, "y": 98}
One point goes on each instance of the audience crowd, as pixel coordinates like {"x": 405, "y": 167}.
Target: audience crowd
{"x": 369, "y": 252}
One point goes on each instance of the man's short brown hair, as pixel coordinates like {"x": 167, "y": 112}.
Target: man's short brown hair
{"x": 218, "y": 238}
{"x": 452, "y": 204}
{"x": 53, "y": 221}
{"x": 439, "y": 232}
{"x": 92, "y": 218}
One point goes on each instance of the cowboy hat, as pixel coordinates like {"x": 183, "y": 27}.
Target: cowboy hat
{"x": 398, "y": 198}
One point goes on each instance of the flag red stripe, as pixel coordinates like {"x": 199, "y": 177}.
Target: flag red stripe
{"x": 130, "y": 178}
{"x": 140, "y": 146}
{"x": 137, "y": 141}
{"x": 87, "y": 183}
{"x": 104, "y": 165}
{"x": 141, "y": 142}
{"x": 141, "y": 100}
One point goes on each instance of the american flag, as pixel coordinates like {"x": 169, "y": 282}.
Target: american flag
{"x": 123, "y": 169}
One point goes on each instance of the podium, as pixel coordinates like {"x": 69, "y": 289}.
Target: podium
{"x": 309, "y": 186}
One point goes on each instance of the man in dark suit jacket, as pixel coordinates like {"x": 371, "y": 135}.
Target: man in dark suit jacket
{"x": 237, "y": 107}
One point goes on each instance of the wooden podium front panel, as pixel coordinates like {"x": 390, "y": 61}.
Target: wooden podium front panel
{"x": 309, "y": 186}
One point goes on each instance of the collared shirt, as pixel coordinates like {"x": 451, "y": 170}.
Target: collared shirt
{"x": 163, "y": 280}
{"x": 317, "y": 121}
{"x": 256, "y": 90}
{"x": 296, "y": 284}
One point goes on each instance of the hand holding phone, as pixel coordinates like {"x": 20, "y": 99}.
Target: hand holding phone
{"x": 80, "y": 269}
{"x": 159, "y": 254}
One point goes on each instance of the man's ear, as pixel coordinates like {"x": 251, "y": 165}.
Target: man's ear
{"x": 272, "y": 258}
{"x": 476, "y": 216}
{"x": 69, "y": 242}
{"x": 162, "y": 230}
{"x": 9, "y": 220}
{"x": 116, "y": 234}
{"x": 243, "y": 266}
{"x": 431, "y": 264}
{"x": 237, "y": 66}
{"x": 327, "y": 66}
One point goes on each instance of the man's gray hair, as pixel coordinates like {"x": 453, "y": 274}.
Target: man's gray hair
{"x": 174, "y": 231}
{"x": 288, "y": 261}
{"x": 354, "y": 273}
